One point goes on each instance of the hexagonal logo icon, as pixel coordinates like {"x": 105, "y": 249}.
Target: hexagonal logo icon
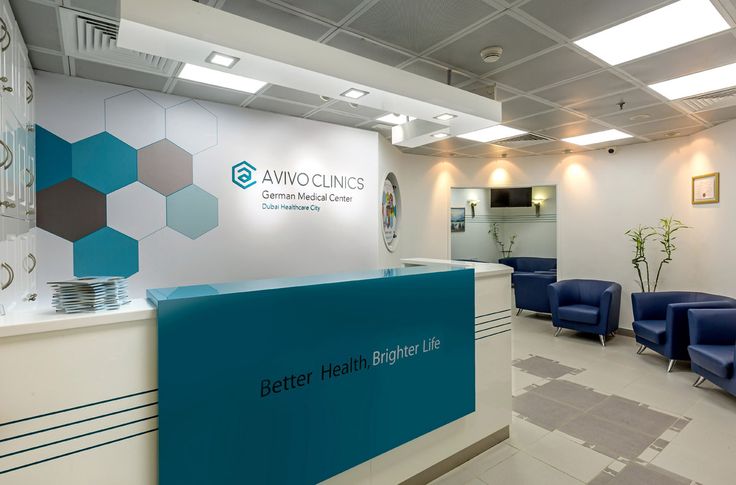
{"x": 243, "y": 174}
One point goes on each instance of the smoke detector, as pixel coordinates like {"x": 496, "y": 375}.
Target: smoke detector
{"x": 491, "y": 54}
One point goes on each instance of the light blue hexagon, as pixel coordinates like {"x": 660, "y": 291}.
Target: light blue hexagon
{"x": 106, "y": 252}
{"x": 191, "y": 211}
{"x": 104, "y": 163}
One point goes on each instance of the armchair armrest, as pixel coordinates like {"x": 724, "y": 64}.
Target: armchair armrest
{"x": 712, "y": 326}
{"x": 609, "y": 307}
{"x": 653, "y": 306}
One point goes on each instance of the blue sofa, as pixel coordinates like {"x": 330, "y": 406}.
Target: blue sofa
{"x": 529, "y": 264}
{"x": 590, "y": 306}
{"x": 712, "y": 346}
{"x": 660, "y": 320}
{"x": 530, "y": 292}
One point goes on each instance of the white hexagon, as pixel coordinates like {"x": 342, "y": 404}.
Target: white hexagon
{"x": 136, "y": 210}
{"x": 135, "y": 119}
{"x": 191, "y": 126}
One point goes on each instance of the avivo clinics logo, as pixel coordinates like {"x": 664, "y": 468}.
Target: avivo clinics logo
{"x": 243, "y": 174}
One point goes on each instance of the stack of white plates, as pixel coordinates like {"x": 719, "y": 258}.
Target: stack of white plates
{"x": 90, "y": 294}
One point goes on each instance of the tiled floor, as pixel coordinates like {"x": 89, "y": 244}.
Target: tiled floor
{"x": 585, "y": 414}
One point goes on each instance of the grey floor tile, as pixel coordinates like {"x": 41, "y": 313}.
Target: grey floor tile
{"x": 570, "y": 393}
{"x": 634, "y": 415}
{"x": 635, "y": 474}
{"x": 606, "y": 437}
{"x": 544, "y": 412}
{"x": 541, "y": 367}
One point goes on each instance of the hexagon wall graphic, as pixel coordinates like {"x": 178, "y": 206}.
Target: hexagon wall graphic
{"x": 53, "y": 159}
{"x": 135, "y": 119}
{"x": 136, "y": 210}
{"x": 106, "y": 253}
{"x": 191, "y": 211}
{"x": 71, "y": 209}
{"x": 165, "y": 167}
{"x": 104, "y": 163}
{"x": 191, "y": 126}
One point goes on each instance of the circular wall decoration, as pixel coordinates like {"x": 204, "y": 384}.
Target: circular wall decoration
{"x": 390, "y": 206}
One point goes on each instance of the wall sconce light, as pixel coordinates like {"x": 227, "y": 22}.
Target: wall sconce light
{"x": 537, "y": 203}
{"x": 473, "y": 203}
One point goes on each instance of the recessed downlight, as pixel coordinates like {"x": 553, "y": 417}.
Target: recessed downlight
{"x": 395, "y": 119}
{"x": 498, "y": 132}
{"x": 353, "y": 93}
{"x": 640, "y": 117}
{"x": 205, "y": 75}
{"x": 597, "y": 137}
{"x": 223, "y": 60}
{"x": 445, "y": 117}
{"x": 440, "y": 135}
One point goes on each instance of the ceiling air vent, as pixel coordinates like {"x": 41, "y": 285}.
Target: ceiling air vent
{"x": 525, "y": 140}
{"x": 94, "y": 38}
{"x": 714, "y": 100}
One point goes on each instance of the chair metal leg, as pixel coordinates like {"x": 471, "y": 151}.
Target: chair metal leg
{"x": 518, "y": 312}
{"x": 557, "y": 332}
{"x": 641, "y": 349}
{"x": 602, "y": 339}
{"x": 700, "y": 380}
{"x": 671, "y": 365}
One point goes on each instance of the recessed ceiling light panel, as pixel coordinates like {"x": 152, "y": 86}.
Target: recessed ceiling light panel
{"x": 214, "y": 77}
{"x": 698, "y": 83}
{"x": 395, "y": 119}
{"x": 353, "y": 93}
{"x": 597, "y": 137}
{"x": 661, "y": 29}
{"x": 222, "y": 60}
{"x": 445, "y": 117}
{"x": 498, "y": 132}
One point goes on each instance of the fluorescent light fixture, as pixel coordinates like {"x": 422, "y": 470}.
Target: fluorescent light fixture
{"x": 440, "y": 135}
{"x": 498, "y": 132}
{"x": 353, "y": 93}
{"x": 395, "y": 119}
{"x": 597, "y": 137}
{"x": 698, "y": 83}
{"x": 661, "y": 29}
{"x": 445, "y": 117}
{"x": 222, "y": 59}
{"x": 219, "y": 78}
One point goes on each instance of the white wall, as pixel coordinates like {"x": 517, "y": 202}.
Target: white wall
{"x": 599, "y": 196}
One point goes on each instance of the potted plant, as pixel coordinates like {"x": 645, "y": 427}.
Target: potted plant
{"x": 664, "y": 234}
{"x": 496, "y": 234}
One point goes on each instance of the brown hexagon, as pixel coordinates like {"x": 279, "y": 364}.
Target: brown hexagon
{"x": 71, "y": 209}
{"x": 164, "y": 167}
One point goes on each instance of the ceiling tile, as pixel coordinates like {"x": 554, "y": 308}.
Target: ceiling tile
{"x": 420, "y": 24}
{"x": 521, "y": 107}
{"x": 336, "y": 118}
{"x": 518, "y": 41}
{"x": 435, "y": 72}
{"x": 117, "y": 75}
{"x": 655, "y": 112}
{"x": 278, "y": 106}
{"x": 358, "y": 110}
{"x": 545, "y": 120}
{"x": 38, "y": 24}
{"x": 698, "y": 56}
{"x": 554, "y": 146}
{"x": 208, "y": 93}
{"x": 492, "y": 151}
{"x": 718, "y": 115}
{"x": 574, "y": 129}
{"x": 664, "y": 135}
{"x": 289, "y": 94}
{"x": 609, "y": 104}
{"x": 330, "y": 9}
{"x": 574, "y": 18}
{"x": 367, "y": 48}
{"x": 589, "y": 87}
{"x": 550, "y": 68}
{"x": 108, "y": 8}
{"x": 451, "y": 144}
{"x": 670, "y": 124}
{"x": 276, "y": 17}
{"x": 46, "y": 62}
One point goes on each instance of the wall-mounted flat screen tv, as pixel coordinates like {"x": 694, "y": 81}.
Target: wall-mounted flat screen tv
{"x": 517, "y": 197}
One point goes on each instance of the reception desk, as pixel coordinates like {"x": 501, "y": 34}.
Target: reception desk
{"x": 80, "y": 400}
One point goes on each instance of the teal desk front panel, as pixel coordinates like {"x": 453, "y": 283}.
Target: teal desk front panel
{"x": 294, "y": 381}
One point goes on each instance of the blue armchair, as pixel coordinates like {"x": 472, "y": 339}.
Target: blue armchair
{"x": 590, "y": 306}
{"x": 530, "y": 291}
{"x": 712, "y": 346}
{"x": 660, "y": 320}
{"x": 529, "y": 264}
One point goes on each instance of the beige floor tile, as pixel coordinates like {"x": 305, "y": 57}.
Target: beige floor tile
{"x": 485, "y": 461}
{"x": 524, "y": 469}
{"x": 524, "y": 433}
{"x": 560, "y": 451}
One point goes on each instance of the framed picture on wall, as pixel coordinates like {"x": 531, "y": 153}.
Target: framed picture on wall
{"x": 706, "y": 188}
{"x": 457, "y": 219}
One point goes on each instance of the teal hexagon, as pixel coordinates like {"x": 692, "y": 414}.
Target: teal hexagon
{"x": 106, "y": 252}
{"x": 191, "y": 211}
{"x": 104, "y": 163}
